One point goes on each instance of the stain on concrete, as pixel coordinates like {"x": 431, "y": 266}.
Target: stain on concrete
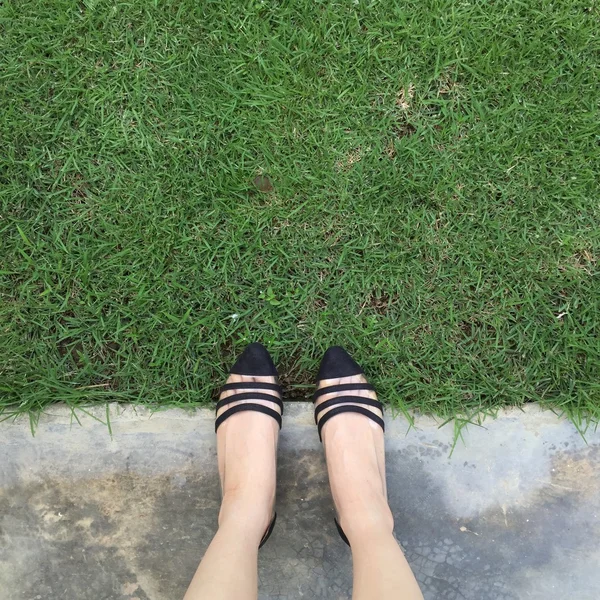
{"x": 513, "y": 513}
{"x": 482, "y": 556}
{"x": 122, "y": 536}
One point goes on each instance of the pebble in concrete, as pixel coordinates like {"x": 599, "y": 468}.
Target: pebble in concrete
{"x": 511, "y": 512}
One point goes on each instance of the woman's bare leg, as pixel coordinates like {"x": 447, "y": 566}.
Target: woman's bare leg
{"x": 354, "y": 448}
{"x": 246, "y": 449}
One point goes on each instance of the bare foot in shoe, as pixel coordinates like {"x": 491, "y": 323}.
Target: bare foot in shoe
{"x": 354, "y": 449}
{"x": 247, "y": 443}
{"x": 247, "y": 425}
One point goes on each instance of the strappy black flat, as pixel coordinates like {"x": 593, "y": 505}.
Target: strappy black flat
{"x": 337, "y": 363}
{"x": 255, "y": 361}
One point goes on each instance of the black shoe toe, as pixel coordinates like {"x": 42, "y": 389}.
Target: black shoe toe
{"x": 255, "y": 360}
{"x": 337, "y": 363}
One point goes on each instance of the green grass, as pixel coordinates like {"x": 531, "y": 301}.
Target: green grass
{"x": 434, "y": 167}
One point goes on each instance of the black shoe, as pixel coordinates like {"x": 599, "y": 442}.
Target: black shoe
{"x": 254, "y": 361}
{"x": 337, "y": 363}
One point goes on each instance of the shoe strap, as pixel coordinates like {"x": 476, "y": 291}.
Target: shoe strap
{"x": 249, "y": 396}
{"x": 346, "y": 400}
{"x": 349, "y": 409}
{"x": 342, "y": 387}
{"x": 249, "y": 406}
{"x": 252, "y": 385}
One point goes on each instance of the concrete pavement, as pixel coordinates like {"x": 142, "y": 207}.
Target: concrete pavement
{"x": 513, "y": 512}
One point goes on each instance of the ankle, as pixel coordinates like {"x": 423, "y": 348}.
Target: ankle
{"x": 367, "y": 532}
{"x": 246, "y": 510}
{"x": 361, "y": 523}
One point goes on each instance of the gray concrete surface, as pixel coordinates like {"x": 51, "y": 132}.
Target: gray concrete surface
{"x": 512, "y": 513}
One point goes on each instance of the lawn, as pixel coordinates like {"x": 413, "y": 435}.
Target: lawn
{"x": 416, "y": 180}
